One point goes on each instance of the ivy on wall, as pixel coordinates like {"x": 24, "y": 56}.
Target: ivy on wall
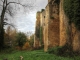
{"x": 37, "y": 32}
{"x": 41, "y": 34}
{"x": 72, "y": 10}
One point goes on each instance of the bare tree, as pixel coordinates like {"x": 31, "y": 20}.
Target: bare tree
{"x": 7, "y": 8}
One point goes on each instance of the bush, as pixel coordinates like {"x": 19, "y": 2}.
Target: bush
{"x": 26, "y": 46}
{"x": 31, "y": 41}
{"x": 7, "y": 50}
{"x": 61, "y": 51}
{"x": 20, "y": 39}
{"x": 54, "y": 50}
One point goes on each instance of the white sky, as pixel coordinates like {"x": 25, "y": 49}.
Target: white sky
{"x": 26, "y": 21}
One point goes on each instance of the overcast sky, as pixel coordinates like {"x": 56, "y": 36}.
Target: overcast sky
{"x": 25, "y": 20}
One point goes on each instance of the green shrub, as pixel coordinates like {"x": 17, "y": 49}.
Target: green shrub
{"x": 61, "y": 51}
{"x": 31, "y": 42}
{"x": 20, "y": 39}
{"x": 7, "y": 50}
{"x": 54, "y": 50}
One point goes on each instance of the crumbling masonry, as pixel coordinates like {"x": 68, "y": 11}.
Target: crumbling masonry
{"x": 55, "y": 27}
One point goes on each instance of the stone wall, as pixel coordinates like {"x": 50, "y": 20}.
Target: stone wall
{"x": 45, "y": 29}
{"x": 43, "y": 25}
{"x": 76, "y": 39}
{"x": 53, "y": 27}
{"x": 56, "y": 29}
{"x": 68, "y": 33}
{"x": 49, "y": 1}
{"x": 63, "y": 25}
{"x": 42, "y": 17}
{"x": 37, "y": 31}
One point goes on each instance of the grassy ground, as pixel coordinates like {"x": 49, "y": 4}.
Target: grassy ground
{"x": 34, "y": 55}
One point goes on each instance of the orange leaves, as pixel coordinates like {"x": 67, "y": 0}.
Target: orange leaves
{"x": 26, "y": 46}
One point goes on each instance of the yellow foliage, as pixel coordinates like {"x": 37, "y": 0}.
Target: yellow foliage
{"x": 26, "y": 46}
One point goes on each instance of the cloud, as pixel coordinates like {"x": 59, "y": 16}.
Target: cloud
{"x": 41, "y": 4}
{"x": 26, "y": 21}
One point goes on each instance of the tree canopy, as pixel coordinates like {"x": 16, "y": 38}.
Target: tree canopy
{"x": 20, "y": 39}
{"x": 7, "y": 8}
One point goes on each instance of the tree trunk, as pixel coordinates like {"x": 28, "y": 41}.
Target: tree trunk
{"x": 1, "y": 38}
{"x": 2, "y": 25}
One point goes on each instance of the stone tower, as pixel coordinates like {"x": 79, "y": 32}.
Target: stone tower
{"x": 54, "y": 24}
{"x": 37, "y": 31}
{"x": 51, "y": 25}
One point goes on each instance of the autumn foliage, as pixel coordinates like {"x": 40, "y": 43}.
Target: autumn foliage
{"x": 26, "y": 46}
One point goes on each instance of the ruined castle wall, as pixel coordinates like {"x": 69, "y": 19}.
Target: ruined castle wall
{"x": 53, "y": 33}
{"x": 49, "y": 0}
{"x": 76, "y": 38}
{"x": 53, "y": 27}
{"x": 56, "y": 28}
{"x": 63, "y": 25}
{"x": 43, "y": 25}
{"x": 37, "y": 31}
{"x": 46, "y": 28}
{"x": 42, "y": 17}
{"x": 65, "y": 28}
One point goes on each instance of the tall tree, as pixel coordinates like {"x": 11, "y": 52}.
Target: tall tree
{"x": 20, "y": 39}
{"x": 6, "y": 7}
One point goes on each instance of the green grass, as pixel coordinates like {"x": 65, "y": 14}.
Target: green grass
{"x": 34, "y": 55}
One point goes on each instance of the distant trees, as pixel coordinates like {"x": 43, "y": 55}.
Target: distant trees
{"x": 9, "y": 37}
{"x": 7, "y": 9}
{"x": 8, "y": 31}
{"x": 31, "y": 41}
{"x": 20, "y": 39}
{"x": 23, "y": 41}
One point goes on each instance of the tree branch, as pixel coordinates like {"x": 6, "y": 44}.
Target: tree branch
{"x": 19, "y": 4}
{"x": 15, "y": 3}
{"x": 5, "y": 23}
{"x": 9, "y": 11}
{"x": 5, "y": 19}
{"x": 1, "y": 0}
